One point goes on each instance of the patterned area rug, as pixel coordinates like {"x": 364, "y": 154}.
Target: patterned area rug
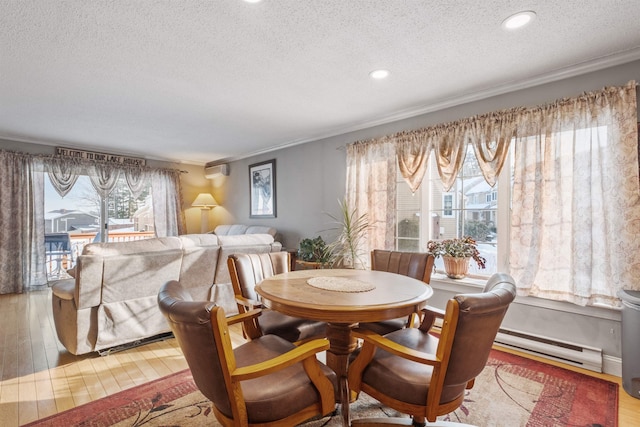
{"x": 511, "y": 391}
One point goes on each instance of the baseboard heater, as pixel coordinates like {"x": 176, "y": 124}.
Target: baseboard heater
{"x": 572, "y": 354}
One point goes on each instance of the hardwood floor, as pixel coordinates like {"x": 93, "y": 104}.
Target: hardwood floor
{"x": 38, "y": 377}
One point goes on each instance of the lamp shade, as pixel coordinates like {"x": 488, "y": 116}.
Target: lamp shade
{"x": 204, "y": 200}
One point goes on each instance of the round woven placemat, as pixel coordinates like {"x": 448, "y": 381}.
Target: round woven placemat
{"x": 340, "y": 284}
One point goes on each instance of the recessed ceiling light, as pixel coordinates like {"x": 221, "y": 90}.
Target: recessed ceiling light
{"x": 379, "y": 74}
{"x": 253, "y": 1}
{"x": 518, "y": 20}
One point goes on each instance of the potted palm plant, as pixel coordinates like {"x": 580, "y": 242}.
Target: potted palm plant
{"x": 456, "y": 254}
{"x": 347, "y": 248}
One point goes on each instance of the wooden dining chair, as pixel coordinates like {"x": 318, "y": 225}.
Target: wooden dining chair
{"x": 418, "y": 265}
{"x": 425, "y": 375}
{"x": 266, "y": 381}
{"x": 246, "y": 271}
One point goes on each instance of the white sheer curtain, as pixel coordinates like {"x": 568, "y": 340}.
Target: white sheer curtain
{"x": 22, "y": 253}
{"x": 371, "y": 189}
{"x": 62, "y": 176}
{"x": 576, "y": 207}
{"x": 413, "y": 151}
{"x": 167, "y": 203}
{"x": 104, "y": 178}
{"x": 136, "y": 180}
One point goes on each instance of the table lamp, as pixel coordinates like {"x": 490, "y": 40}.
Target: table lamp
{"x": 205, "y": 202}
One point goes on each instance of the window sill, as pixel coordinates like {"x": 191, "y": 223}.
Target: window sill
{"x": 467, "y": 284}
{"x": 471, "y": 284}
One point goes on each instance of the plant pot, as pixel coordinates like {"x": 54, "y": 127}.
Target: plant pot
{"x": 456, "y": 268}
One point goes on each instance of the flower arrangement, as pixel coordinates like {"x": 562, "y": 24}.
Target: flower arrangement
{"x": 464, "y": 247}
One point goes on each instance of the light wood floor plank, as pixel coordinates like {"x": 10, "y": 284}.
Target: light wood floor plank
{"x": 94, "y": 386}
{"x": 143, "y": 364}
{"x": 77, "y": 384}
{"x": 9, "y": 403}
{"x": 44, "y": 394}
{"x": 61, "y": 390}
{"x": 125, "y": 360}
{"x": 151, "y": 355}
{"x": 119, "y": 373}
{"x": 105, "y": 376}
{"x": 28, "y": 406}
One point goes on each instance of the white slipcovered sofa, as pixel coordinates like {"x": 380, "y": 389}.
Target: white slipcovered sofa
{"x": 112, "y": 299}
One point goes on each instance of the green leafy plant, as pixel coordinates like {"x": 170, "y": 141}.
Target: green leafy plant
{"x": 347, "y": 248}
{"x": 464, "y": 247}
{"x": 314, "y": 250}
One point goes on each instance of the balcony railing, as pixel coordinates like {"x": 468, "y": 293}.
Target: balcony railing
{"x": 58, "y": 261}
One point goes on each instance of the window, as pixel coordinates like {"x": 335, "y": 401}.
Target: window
{"x": 469, "y": 208}
{"x": 408, "y": 214}
{"x": 82, "y": 213}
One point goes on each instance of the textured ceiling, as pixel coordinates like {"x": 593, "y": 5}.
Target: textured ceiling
{"x": 198, "y": 81}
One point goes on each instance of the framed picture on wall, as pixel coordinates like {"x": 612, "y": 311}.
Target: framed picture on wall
{"x": 262, "y": 187}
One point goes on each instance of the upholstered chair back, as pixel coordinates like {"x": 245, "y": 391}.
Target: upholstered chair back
{"x": 253, "y": 268}
{"x": 418, "y": 265}
{"x": 478, "y": 322}
{"x": 190, "y": 322}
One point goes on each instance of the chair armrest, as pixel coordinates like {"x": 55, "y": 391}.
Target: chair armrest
{"x": 434, "y": 310}
{"x": 242, "y": 317}
{"x": 429, "y": 316}
{"x": 392, "y": 347}
{"x": 295, "y": 355}
{"x": 248, "y": 303}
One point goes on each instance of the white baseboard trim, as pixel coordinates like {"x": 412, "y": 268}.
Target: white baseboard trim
{"x": 612, "y": 365}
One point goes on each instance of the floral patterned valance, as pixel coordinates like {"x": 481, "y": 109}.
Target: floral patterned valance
{"x": 489, "y": 134}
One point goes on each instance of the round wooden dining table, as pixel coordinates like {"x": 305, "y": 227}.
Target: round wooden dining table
{"x": 343, "y": 298}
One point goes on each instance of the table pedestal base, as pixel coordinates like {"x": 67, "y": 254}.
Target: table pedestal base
{"x": 341, "y": 344}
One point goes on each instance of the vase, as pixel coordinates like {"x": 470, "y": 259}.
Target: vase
{"x": 456, "y": 268}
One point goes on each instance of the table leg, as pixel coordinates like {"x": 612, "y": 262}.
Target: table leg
{"x": 341, "y": 344}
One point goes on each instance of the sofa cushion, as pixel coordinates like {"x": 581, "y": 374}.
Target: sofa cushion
{"x": 195, "y": 240}
{"x": 229, "y": 230}
{"x": 261, "y": 229}
{"x": 246, "y": 240}
{"x": 132, "y": 247}
{"x": 236, "y": 229}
